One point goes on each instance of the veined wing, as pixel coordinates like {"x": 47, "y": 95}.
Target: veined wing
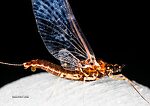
{"x": 61, "y": 34}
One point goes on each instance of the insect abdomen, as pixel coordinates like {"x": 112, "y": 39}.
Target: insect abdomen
{"x": 54, "y": 69}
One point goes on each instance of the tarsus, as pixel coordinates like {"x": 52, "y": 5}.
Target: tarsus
{"x": 131, "y": 83}
{"x": 122, "y": 77}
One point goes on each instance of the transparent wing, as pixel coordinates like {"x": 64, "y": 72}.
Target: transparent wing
{"x": 61, "y": 34}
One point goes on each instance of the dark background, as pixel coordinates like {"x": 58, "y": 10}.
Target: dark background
{"x": 115, "y": 31}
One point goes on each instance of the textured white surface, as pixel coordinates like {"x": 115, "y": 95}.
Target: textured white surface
{"x": 47, "y": 90}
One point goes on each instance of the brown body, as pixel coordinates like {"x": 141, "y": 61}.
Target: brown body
{"x": 82, "y": 74}
{"x": 87, "y": 74}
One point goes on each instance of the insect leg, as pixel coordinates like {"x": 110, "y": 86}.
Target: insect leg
{"x": 122, "y": 77}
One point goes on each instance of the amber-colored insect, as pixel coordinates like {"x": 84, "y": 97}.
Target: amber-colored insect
{"x": 64, "y": 39}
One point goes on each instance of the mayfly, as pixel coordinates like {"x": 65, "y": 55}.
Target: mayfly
{"x": 64, "y": 39}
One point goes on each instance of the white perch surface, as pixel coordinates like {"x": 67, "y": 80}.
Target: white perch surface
{"x": 47, "y": 90}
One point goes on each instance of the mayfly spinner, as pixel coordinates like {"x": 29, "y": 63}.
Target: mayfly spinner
{"x": 64, "y": 39}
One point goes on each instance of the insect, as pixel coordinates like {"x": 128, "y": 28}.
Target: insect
{"x": 64, "y": 39}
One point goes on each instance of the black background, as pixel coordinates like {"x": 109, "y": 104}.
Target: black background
{"x": 115, "y": 31}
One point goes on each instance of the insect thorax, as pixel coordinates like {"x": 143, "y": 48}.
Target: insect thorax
{"x": 93, "y": 72}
